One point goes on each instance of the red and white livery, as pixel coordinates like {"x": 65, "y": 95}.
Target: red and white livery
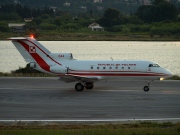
{"x": 86, "y": 72}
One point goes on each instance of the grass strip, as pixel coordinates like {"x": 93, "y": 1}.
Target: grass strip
{"x": 145, "y": 128}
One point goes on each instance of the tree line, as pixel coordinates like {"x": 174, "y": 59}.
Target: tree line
{"x": 75, "y": 5}
{"x": 160, "y": 18}
{"x": 23, "y": 11}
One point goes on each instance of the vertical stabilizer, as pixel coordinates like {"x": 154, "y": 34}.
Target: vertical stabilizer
{"x": 28, "y": 46}
{"x": 33, "y": 51}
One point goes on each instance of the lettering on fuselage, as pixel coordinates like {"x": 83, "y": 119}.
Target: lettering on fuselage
{"x": 116, "y": 65}
{"x": 128, "y": 64}
{"x": 61, "y": 56}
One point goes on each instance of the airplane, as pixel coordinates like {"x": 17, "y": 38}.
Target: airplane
{"x": 86, "y": 72}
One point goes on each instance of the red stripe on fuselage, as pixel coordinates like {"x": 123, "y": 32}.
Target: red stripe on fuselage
{"x": 114, "y": 73}
{"x": 36, "y": 57}
{"x": 125, "y": 74}
{"x": 119, "y": 75}
{"x": 102, "y": 71}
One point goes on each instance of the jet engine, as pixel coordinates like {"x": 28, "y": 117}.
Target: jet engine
{"x": 32, "y": 64}
{"x": 59, "y": 69}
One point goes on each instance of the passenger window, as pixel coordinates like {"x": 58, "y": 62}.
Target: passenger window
{"x": 91, "y": 67}
{"x": 104, "y": 67}
{"x": 122, "y": 67}
{"x": 116, "y": 68}
{"x": 129, "y": 68}
{"x": 97, "y": 67}
{"x": 110, "y": 67}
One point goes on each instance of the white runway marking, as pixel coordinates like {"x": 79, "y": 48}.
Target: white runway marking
{"x": 9, "y": 88}
{"x": 96, "y": 120}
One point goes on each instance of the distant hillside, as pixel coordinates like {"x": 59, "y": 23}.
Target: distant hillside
{"x": 80, "y": 6}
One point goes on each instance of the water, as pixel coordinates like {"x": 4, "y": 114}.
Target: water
{"x": 166, "y": 54}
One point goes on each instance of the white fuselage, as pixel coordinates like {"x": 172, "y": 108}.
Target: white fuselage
{"x": 86, "y": 72}
{"x": 104, "y": 70}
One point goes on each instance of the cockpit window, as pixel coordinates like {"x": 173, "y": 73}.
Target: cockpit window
{"x": 150, "y": 65}
{"x": 154, "y": 65}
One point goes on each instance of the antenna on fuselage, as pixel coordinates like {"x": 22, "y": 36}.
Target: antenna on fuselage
{"x": 111, "y": 58}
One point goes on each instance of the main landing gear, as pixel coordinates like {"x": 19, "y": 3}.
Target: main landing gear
{"x": 90, "y": 85}
{"x": 146, "y": 88}
{"x": 87, "y": 85}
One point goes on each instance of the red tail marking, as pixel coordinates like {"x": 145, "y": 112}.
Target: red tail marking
{"x": 37, "y": 58}
{"x": 45, "y": 53}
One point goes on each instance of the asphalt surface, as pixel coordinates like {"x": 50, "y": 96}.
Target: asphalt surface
{"x": 51, "y": 99}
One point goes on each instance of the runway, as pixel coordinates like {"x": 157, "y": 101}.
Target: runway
{"x": 48, "y": 99}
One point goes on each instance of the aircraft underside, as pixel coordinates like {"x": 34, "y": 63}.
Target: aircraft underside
{"x": 83, "y": 84}
{"x": 89, "y": 85}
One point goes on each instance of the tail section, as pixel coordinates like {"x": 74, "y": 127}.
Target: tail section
{"x": 28, "y": 47}
{"x": 35, "y": 53}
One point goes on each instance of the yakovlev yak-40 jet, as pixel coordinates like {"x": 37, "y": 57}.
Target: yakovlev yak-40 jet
{"x": 86, "y": 72}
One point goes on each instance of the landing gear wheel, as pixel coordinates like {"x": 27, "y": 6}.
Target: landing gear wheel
{"x": 146, "y": 88}
{"x": 89, "y": 85}
{"x": 79, "y": 87}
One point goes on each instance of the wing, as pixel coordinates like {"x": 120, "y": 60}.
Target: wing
{"x": 73, "y": 78}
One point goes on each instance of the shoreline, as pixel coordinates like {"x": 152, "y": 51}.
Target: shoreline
{"x": 106, "y": 38}
{"x": 96, "y": 36}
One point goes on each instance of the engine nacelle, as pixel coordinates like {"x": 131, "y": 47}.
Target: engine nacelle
{"x": 59, "y": 69}
{"x": 61, "y": 56}
{"x": 32, "y": 64}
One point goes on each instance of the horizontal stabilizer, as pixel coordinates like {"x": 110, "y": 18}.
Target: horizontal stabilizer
{"x": 17, "y": 38}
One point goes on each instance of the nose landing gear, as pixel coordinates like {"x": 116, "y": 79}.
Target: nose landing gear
{"x": 147, "y": 88}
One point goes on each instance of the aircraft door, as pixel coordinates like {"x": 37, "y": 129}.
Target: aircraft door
{"x": 149, "y": 68}
{"x": 66, "y": 69}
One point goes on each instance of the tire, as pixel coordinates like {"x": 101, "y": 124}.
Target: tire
{"x": 79, "y": 87}
{"x": 146, "y": 88}
{"x": 89, "y": 85}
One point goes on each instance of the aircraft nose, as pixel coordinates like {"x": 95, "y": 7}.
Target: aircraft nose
{"x": 169, "y": 73}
